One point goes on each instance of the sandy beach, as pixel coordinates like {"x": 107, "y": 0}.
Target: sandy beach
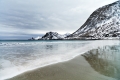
{"x": 75, "y": 69}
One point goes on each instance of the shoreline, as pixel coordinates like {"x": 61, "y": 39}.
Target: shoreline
{"x": 75, "y": 69}
{"x": 87, "y": 47}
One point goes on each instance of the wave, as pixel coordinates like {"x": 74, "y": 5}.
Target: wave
{"x": 53, "y": 59}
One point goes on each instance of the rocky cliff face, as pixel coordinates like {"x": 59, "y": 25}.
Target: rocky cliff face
{"x": 103, "y": 23}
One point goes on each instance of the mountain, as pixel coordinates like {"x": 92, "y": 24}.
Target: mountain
{"x": 54, "y": 36}
{"x": 31, "y": 38}
{"x": 37, "y": 38}
{"x": 103, "y": 23}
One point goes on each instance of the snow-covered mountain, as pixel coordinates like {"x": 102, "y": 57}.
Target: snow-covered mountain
{"x": 103, "y": 23}
{"x": 53, "y": 36}
{"x": 37, "y": 38}
{"x": 31, "y": 38}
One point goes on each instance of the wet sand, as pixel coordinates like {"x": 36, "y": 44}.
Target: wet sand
{"x": 75, "y": 69}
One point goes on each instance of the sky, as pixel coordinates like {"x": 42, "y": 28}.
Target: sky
{"x": 23, "y": 19}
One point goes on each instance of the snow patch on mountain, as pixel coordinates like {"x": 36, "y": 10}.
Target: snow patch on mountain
{"x": 37, "y": 38}
{"x": 54, "y": 36}
{"x": 103, "y": 23}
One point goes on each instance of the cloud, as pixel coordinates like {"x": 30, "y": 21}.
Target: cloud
{"x": 38, "y": 17}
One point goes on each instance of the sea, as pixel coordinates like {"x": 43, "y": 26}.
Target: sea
{"x": 19, "y": 56}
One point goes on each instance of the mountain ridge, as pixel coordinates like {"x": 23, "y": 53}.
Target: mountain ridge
{"x": 51, "y": 36}
{"x": 103, "y": 23}
{"x": 108, "y": 15}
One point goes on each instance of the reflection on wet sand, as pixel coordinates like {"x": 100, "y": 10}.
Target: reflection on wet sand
{"x": 105, "y": 60}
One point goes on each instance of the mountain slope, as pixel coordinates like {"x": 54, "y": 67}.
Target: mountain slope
{"x": 103, "y": 23}
{"x": 53, "y": 36}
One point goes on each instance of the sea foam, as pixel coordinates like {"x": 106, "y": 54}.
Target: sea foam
{"x": 54, "y": 52}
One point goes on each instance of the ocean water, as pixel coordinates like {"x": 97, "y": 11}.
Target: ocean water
{"x": 105, "y": 60}
{"x": 17, "y": 57}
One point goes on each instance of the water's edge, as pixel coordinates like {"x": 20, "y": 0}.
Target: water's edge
{"x": 84, "y": 49}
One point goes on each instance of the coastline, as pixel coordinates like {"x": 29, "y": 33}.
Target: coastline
{"x": 75, "y": 69}
{"x": 83, "y": 50}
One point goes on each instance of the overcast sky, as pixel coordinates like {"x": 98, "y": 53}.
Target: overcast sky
{"x": 22, "y": 19}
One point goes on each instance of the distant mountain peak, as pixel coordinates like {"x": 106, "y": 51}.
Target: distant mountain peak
{"x": 53, "y": 36}
{"x": 50, "y": 35}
